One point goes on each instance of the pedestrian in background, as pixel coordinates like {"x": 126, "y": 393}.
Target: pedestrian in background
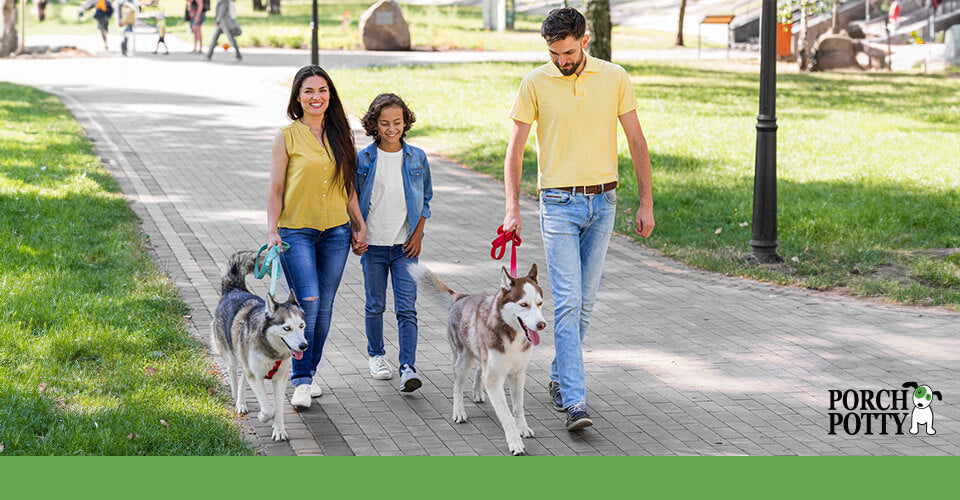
{"x": 226, "y": 16}
{"x": 103, "y": 11}
{"x": 195, "y": 15}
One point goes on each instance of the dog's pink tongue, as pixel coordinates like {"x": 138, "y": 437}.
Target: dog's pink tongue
{"x": 297, "y": 354}
{"x": 533, "y": 337}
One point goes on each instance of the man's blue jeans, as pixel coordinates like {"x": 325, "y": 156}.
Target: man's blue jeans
{"x": 313, "y": 267}
{"x": 378, "y": 262}
{"x": 576, "y": 231}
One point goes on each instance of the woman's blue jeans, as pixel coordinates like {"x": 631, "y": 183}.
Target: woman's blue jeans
{"x": 313, "y": 267}
{"x": 576, "y": 231}
{"x": 378, "y": 262}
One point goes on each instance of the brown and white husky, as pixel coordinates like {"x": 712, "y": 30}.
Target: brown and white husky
{"x": 257, "y": 339}
{"x": 500, "y": 330}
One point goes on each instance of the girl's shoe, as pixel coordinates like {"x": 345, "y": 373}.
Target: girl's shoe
{"x": 380, "y": 368}
{"x": 315, "y": 389}
{"x": 301, "y": 397}
{"x": 409, "y": 380}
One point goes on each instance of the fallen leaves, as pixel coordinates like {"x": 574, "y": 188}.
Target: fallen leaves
{"x": 164, "y": 422}
{"x": 2, "y": 446}
{"x": 42, "y": 388}
{"x": 150, "y": 371}
{"x": 718, "y": 231}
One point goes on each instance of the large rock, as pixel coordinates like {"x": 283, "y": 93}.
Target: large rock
{"x": 834, "y": 52}
{"x": 951, "y": 40}
{"x": 382, "y": 27}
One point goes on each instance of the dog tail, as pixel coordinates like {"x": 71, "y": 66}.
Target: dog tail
{"x": 239, "y": 266}
{"x": 443, "y": 292}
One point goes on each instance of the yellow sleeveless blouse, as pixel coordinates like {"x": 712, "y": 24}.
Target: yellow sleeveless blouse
{"x": 311, "y": 196}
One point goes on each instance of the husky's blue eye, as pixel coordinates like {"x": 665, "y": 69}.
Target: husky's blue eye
{"x": 286, "y": 328}
{"x": 524, "y": 304}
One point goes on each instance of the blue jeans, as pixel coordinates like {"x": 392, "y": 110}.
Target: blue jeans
{"x": 576, "y": 231}
{"x": 313, "y": 266}
{"x": 377, "y": 262}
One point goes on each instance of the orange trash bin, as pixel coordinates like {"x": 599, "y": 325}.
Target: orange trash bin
{"x": 784, "y": 39}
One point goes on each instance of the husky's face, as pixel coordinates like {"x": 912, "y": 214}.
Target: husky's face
{"x": 286, "y": 322}
{"x": 523, "y": 303}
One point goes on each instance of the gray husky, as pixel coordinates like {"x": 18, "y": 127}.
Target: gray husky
{"x": 499, "y": 330}
{"x": 257, "y": 336}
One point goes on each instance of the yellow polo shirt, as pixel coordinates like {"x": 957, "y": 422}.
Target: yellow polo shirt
{"x": 576, "y": 121}
{"x": 312, "y": 197}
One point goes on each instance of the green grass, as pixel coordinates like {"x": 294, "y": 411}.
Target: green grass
{"x": 431, "y": 27}
{"x": 867, "y": 166}
{"x": 94, "y": 356}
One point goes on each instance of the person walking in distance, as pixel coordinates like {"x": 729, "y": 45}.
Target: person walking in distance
{"x": 576, "y": 101}
{"x": 226, "y": 13}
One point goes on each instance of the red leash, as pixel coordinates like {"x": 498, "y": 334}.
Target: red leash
{"x": 500, "y": 243}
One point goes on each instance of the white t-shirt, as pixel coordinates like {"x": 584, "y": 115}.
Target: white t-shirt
{"x": 387, "y": 220}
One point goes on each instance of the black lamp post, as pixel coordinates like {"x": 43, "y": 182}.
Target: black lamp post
{"x": 314, "y": 42}
{"x": 764, "y": 236}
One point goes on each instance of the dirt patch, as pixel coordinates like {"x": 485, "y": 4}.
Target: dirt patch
{"x": 45, "y": 52}
{"x": 935, "y": 253}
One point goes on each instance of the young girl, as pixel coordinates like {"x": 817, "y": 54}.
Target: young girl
{"x": 394, "y": 191}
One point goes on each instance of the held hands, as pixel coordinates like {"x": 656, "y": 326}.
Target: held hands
{"x": 412, "y": 247}
{"x": 358, "y": 239}
{"x": 644, "y": 221}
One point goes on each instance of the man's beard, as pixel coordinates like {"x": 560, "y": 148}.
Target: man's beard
{"x": 573, "y": 67}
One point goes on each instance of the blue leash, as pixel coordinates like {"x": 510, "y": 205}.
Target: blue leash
{"x": 270, "y": 264}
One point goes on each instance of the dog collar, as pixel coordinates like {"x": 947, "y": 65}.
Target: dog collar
{"x": 272, "y": 372}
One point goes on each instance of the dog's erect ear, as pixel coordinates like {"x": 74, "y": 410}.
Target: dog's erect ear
{"x": 938, "y": 395}
{"x": 271, "y": 304}
{"x": 292, "y": 299}
{"x": 912, "y": 385}
{"x": 506, "y": 282}
{"x": 533, "y": 272}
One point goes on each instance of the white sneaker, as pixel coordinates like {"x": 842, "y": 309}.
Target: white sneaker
{"x": 380, "y": 368}
{"x": 315, "y": 389}
{"x": 301, "y": 397}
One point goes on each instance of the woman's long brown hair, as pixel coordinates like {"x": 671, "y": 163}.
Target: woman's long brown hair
{"x": 336, "y": 128}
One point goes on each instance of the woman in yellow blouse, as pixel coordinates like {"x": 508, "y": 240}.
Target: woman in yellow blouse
{"x": 312, "y": 206}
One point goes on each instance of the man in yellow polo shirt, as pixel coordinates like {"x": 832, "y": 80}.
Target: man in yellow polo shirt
{"x": 576, "y": 101}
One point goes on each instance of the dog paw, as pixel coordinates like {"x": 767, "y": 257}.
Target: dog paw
{"x": 242, "y": 408}
{"x": 279, "y": 434}
{"x": 265, "y": 415}
{"x": 914, "y": 431}
{"x": 478, "y": 396}
{"x": 525, "y": 430}
{"x": 459, "y": 415}
{"x": 931, "y": 432}
{"x": 515, "y": 444}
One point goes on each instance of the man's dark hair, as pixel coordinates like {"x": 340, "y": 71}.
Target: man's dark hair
{"x": 561, "y": 23}
{"x": 373, "y": 115}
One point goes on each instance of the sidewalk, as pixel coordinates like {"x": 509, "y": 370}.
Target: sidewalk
{"x": 679, "y": 362}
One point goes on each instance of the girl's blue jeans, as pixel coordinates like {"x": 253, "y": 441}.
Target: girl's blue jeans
{"x": 313, "y": 267}
{"x": 378, "y": 262}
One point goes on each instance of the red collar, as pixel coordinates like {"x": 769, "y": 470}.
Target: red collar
{"x": 274, "y": 370}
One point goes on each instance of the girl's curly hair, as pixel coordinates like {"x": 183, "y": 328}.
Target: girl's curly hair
{"x": 373, "y": 114}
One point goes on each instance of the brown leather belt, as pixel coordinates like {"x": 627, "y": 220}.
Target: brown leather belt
{"x": 597, "y": 189}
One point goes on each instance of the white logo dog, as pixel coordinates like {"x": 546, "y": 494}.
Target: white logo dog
{"x": 922, "y": 414}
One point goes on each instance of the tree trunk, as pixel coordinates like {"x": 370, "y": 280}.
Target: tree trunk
{"x": 598, "y": 26}
{"x": 8, "y": 23}
{"x": 259, "y": 6}
{"x": 683, "y": 8}
{"x": 274, "y": 7}
{"x": 835, "y": 27}
{"x": 802, "y": 39}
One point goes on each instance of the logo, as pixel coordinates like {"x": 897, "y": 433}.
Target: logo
{"x": 883, "y": 412}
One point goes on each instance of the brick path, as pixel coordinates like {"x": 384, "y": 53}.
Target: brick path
{"x": 679, "y": 361}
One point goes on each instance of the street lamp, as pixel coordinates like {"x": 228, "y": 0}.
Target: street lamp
{"x": 764, "y": 235}
{"x": 314, "y": 42}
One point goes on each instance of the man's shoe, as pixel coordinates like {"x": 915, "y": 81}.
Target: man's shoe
{"x": 315, "y": 390}
{"x": 577, "y": 417}
{"x": 554, "y": 388}
{"x": 409, "y": 380}
{"x": 380, "y": 368}
{"x": 301, "y": 397}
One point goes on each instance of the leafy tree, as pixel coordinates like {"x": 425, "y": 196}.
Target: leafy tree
{"x": 683, "y": 8}
{"x": 598, "y": 25}
{"x": 8, "y": 18}
{"x": 806, "y": 8}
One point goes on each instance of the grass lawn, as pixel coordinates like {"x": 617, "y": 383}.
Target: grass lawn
{"x": 869, "y": 189}
{"x": 94, "y": 356}
{"x": 431, "y": 27}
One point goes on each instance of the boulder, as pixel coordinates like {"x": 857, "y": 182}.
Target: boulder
{"x": 951, "y": 41}
{"x": 382, "y": 27}
{"x": 834, "y": 52}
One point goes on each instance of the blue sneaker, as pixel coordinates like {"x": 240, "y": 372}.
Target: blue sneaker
{"x": 409, "y": 380}
{"x": 577, "y": 417}
{"x": 554, "y": 388}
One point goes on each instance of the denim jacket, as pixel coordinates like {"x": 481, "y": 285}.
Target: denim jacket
{"x": 417, "y": 187}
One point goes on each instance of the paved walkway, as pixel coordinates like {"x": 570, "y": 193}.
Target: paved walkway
{"x": 679, "y": 361}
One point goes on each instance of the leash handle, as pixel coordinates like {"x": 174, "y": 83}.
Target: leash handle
{"x": 499, "y": 247}
{"x": 270, "y": 263}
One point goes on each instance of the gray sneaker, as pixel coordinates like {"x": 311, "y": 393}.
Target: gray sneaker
{"x": 409, "y": 380}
